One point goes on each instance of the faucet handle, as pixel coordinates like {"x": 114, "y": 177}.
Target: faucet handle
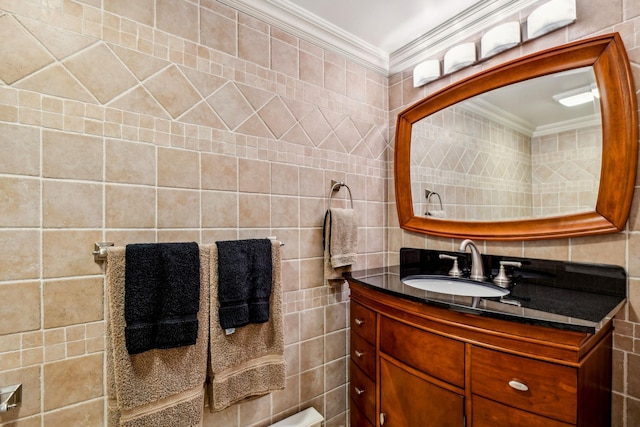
{"x": 455, "y": 270}
{"x": 502, "y": 279}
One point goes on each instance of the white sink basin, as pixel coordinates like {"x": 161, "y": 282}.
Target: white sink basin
{"x": 455, "y": 286}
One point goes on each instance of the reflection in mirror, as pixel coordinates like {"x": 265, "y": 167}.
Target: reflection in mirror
{"x": 481, "y": 135}
{"x": 528, "y": 150}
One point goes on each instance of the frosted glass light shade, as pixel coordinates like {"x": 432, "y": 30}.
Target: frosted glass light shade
{"x": 500, "y": 38}
{"x": 425, "y": 72}
{"x": 550, "y": 16}
{"x": 459, "y": 57}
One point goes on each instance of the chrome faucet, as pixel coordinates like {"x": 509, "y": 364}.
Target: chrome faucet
{"x": 477, "y": 269}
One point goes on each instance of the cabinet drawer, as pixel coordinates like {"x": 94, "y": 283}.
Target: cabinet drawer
{"x": 363, "y": 322}
{"x": 432, "y": 354}
{"x": 357, "y": 418}
{"x": 487, "y": 413}
{"x": 363, "y": 393}
{"x": 539, "y": 387}
{"x": 363, "y": 355}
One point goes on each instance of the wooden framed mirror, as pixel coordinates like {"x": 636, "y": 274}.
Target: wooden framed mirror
{"x": 606, "y": 59}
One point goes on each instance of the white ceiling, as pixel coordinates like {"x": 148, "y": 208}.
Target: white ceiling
{"x": 386, "y": 36}
{"x": 386, "y": 24}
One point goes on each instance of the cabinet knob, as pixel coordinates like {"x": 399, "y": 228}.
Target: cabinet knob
{"x": 359, "y": 391}
{"x": 358, "y": 353}
{"x": 383, "y": 416}
{"x": 359, "y": 322}
{"x": 517, "y": 385}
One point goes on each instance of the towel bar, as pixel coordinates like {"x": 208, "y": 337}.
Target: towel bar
{"x": 335, "y": 186}
{"x": 100, "y": 249}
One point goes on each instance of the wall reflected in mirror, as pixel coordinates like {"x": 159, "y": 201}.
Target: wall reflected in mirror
{"x": 517, "y": 152}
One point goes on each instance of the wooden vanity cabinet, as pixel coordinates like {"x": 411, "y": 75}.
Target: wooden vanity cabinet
{"x": 413, "y": 364}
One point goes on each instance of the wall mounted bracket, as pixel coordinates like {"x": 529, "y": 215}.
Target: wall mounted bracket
{"x": 10, "y": 397}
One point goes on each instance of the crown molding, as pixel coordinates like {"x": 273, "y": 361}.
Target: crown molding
{"x": 300, "y": 23}
{"x": 307, "y": 26}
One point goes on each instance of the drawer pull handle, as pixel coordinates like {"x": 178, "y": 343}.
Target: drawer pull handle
{"x": 359, "y": 322}
{"x": 383, "y": 416}
{"x": 517, "y": 385}
{"x": 359, "y": 391}
{"x": 358, "y": 353}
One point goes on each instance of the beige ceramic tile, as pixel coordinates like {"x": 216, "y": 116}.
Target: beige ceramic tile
{"x": 140, "y": 11}
{"x": 67, "y": 155}
{"x": 178, "y": 168}
{"x": 253, "y": 46}
{"x": 69, "y": 253}
{"x": 605, "y": 249}
{"x": 19, "y": 254}
{"x": 72, "y": 204}
{"x": 254, "y": 176}
{"x": 254, "y": 211}
{"x": 284, "y": 212}
{"x": 178, "y": 17}
{"x": 72, "y": 381}
{"x": 219, "y": 172}
{"x": 309, "y": 352}
{"x": 130, "y": 162}
{"x": 69, "y": 302}
{"x": 178, "y": 208}
{"x": 21, "y": 53}
{"x": 218, "y": 31}
{"x": 20, "y": 146}
{"x": 311, "y": 383}
{"x": 232, "y": 107}
{"x": 219, "y": 209}
{"x": 57, "y": 81}
{"x": 61, "y": 42}
{"x": 287, "y": 398}
{"x": 30, "y": 380}
{"x": 312, "y": 323}
{"x": 130, "y": 206}
{"x": 311, "y": 69}
{"x": 173, "y": 91}
{"x": 20, "y": 307}
{"x": 19, "y": 202}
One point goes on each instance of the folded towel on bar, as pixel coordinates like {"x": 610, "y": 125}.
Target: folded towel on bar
{"x": 250, "y": 361}
{"x": 162, "y": 291}
{"x": 340, "y": 237}
{"x": 244, "y": 281}
{"x": 160, "y": 387}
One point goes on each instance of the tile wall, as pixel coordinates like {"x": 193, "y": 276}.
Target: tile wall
{"x": 172, "y": 120}
{"x": 623, "y": 248}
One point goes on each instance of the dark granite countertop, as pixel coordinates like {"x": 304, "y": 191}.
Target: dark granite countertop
{"x": 565, "y": 295}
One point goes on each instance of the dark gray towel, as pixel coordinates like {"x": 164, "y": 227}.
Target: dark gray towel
{"x": 162, "y": 295}
{"x": 244, "y": 281}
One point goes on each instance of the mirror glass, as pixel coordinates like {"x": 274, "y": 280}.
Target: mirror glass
{"x": 527, "y": 150}
{"x": 497, "y": 156}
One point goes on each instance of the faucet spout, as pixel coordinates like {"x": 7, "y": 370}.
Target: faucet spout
{"x": 477, "y": 269}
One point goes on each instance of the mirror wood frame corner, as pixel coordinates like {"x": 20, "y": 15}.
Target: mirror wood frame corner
{"x": 608, "y": 57}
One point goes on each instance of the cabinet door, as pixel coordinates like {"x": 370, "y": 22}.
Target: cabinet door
{"x": 408, "y": 400}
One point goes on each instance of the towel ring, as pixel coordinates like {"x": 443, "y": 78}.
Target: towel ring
{"x": 335, "y": 186}
{"x": 433, "y": 193}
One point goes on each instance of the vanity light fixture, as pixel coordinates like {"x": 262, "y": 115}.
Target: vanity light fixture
{"x": 500, "y": 38}
{"x": 425, "y": 72}
{"x": 577, "y": 97}
{"x": 459, "y": 57}
{"x": 550, "y": 16}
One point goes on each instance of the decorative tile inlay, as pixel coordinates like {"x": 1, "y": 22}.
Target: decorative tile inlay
{"x": 203, "y": 115}
{"x": 348, "y": 134}
{"x": 173, "y": 91}
{"x": 60, "y": 42}
{"x": 21, "y": 54}
{"x": 101, "y": 72}
{"x": 139, "y": 101}
{"x": 57, "y": 81}
{"x": 256, "y": 127}
{"x": 316, "y": 126}
{"x": 277, "y": 117}
{"x": 205, "y": 83}
{"x": 140, "y": 64}
{"x": 230, "y": 105}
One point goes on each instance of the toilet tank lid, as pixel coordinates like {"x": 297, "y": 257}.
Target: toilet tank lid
{"x": 307, "y": 418}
